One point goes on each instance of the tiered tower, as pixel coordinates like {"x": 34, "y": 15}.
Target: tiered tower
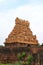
{"x": 21, "y": 35}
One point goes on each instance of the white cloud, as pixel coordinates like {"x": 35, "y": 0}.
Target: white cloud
{"x": 32, "y": 13}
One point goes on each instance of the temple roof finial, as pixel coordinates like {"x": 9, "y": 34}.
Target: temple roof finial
{"x": 22, "y": 22}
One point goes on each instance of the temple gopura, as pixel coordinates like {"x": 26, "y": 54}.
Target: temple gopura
{"x": 21, "y": 39}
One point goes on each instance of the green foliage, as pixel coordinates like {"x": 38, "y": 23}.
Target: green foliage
{"x": 6, "y": 64}
{"x": 30, "y": 58}
{"x": 17, "y": 63}
{"x": 19, "y": 56}
{"x": 23, "y": 54}
{"x": 24, "y": 63}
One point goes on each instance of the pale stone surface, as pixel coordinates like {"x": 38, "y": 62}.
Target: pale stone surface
{"x": 21, "y": 33}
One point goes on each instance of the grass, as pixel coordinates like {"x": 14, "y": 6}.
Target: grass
{"x": 16, "y": 63}
{"x": 6, "y": 64}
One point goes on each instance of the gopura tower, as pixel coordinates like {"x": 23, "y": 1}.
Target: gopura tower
{"x": 21, "y": 39}
{"x": 21, "y": 35}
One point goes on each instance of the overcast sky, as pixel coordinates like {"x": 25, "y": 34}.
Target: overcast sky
{"x": 31, "y": 10}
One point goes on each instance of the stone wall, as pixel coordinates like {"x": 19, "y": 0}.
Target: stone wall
{"x": 9, "y": 55}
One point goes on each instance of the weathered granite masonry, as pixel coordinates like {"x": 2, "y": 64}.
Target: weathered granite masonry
{"x": 21, "y": 39}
